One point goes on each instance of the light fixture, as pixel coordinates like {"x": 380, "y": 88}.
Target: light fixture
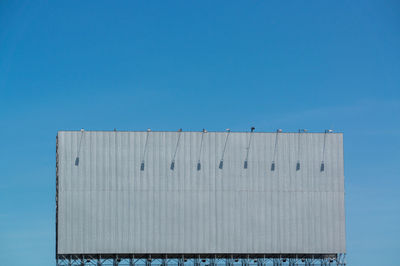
{"x": 248, "y": 148}
{"x": 77, "y": 157}
{"x": 221, "y": 164}
{"x": 298, "y": 149}
{"x": 201, "y": 146}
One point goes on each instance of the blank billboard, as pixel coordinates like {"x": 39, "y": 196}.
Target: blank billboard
{"x": 200, "y": 193}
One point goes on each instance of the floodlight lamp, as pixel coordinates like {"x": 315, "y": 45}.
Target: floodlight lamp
{"x": 273, "y": 166}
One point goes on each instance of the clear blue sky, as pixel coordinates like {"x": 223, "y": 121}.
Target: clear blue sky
{"x": 193, "y": 64}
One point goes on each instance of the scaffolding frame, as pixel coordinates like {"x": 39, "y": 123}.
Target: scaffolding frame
{"x": 202, "y": 259}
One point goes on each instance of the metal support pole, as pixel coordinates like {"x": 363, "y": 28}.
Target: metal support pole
{"x": 180, "y": 262}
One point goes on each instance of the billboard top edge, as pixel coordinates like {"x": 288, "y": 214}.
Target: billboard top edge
{"x": 192, "y": 131}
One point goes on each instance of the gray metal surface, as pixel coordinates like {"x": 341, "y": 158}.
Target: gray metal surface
{"x": 107, "y": 204}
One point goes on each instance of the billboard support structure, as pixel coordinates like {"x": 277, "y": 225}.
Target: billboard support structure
{"x": 337, "y": 260}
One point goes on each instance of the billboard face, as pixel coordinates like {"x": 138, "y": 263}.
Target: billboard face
{"x": 200, "y": 193}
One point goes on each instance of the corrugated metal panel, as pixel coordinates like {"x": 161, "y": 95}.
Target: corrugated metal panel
{"x": 106, "y": 204}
